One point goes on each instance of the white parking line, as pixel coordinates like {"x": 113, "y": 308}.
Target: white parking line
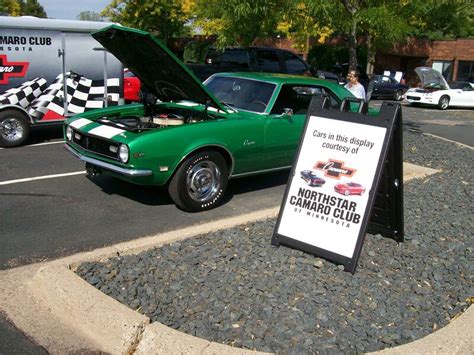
{"x": 40, "y": 178}
{"x": 38, "y": 144}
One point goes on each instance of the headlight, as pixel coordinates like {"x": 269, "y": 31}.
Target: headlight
{"x": 123, "y": 153}
{"x": 69, "y": 133}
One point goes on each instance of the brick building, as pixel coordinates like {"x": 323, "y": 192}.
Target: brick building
{"x": 453, "y": 58}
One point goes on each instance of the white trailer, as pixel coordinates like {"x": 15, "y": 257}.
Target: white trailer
{"x": 49, "y": 70}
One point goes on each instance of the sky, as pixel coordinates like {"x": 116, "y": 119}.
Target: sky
{"x": 69, "y": 9}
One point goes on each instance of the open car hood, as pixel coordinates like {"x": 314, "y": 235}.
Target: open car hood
{"x": 431, "y": 78}
{"x": 159, "y": 70}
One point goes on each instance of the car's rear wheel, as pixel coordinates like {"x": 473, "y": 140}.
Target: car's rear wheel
{"x": 14, "y": 128}
{"x": 398, "y": 96}
{"x": 443, "y": 102}
{"x": 200, "y": 182}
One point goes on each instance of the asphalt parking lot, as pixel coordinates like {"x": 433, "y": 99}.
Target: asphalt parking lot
{"x": 51, "y": 209}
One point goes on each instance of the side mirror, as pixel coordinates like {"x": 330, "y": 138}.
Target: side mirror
{"x": 287, "y": 113}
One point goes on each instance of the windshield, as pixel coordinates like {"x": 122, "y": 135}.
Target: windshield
{"x": 242, "y": 94}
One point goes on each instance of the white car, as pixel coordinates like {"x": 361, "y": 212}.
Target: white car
{"x": 435, "y": 91}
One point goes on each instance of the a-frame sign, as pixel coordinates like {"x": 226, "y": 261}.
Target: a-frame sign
{"x": 347, "y": 179}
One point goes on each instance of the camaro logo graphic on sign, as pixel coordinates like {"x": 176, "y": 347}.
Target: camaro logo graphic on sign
{"x": 334, "y": 169}
{"x": 10, "y": 69}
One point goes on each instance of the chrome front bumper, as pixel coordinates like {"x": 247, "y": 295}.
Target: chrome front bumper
{"x": 108, "y": 166}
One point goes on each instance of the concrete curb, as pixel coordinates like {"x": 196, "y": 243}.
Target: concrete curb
{"x": 455, "y": 338}
{"x": 63, "y": 313}
{"x": 85, "y": 309}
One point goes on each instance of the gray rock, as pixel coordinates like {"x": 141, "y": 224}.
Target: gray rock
{"x": 234, "y": 287}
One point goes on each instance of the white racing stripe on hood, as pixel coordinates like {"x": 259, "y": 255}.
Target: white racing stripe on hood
{"x": 81, "y": 122}
{"x": 106, "y": 131}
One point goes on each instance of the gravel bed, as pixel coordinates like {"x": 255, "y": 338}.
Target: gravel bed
{"x": 234, "y": 287}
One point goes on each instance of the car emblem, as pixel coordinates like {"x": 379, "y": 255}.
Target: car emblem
{"x": 11, "y": 69}
{"x": 334, "y": 169}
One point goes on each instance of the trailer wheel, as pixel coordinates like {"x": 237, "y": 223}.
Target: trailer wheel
{"x": 14, "y": 128}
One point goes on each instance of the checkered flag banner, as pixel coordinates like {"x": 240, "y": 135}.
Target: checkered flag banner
{"x": 82, "y": 95}
{"x": 24, "y": 94}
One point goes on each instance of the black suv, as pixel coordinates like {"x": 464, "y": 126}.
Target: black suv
{"x": 260, "y": 59}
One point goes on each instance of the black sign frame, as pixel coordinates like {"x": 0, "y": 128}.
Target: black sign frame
{"x": 387, "y": 218}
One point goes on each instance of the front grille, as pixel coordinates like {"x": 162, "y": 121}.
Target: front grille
{"x": 414, "y": 98}
{"x": 95, "y": 145}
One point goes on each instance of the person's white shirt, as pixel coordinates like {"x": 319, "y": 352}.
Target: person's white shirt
{"x": 356, "y": 89}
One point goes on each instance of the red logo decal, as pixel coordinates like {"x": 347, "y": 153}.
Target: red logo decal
{"x": 334, "y": 168}
{"x": 10, "y": 69}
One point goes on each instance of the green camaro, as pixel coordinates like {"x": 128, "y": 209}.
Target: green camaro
{"x": 190, "y": 136}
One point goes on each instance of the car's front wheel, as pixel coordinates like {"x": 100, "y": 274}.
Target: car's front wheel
{"x": 14, "y": 128}
{"x": 443, "y": 102}
{"x": 200, "y": 182}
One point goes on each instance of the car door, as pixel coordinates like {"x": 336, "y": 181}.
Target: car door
{"x": 293, "y": 64}
{"x": 385, "y": 86}
{"x": 466, "y": 96}
{"x": 285, "y": 123}
{"x": 268, "y": 61}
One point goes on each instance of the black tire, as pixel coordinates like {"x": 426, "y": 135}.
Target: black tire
{"x": 200, "y": 182}
{"x": 398, "y": 95}
{"x": 14, "y": 128}
{"x": 346, "y": 193}
{"x": 443, "y": 103}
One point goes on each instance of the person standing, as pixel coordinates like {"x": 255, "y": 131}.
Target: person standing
{"x": 353, "y": 85}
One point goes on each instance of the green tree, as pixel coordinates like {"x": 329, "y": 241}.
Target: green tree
{"x": 10, "y": 7}
{"x": 22, "y": 7}
{"x": 302, "y": 21}
{"x": 371, "y": 23}
{"x": 442, "y": 19}
{"x": 89, "y": 16}
{"x": 382, "y": 26}
{"x": 239, "y": 21}
{"x": 164, "y": 18}
{"x": 32, "y": 8}
{"x": 381, "y": 23}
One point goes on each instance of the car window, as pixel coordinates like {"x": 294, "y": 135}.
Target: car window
{"x": 213, "y": 56}
{"x": 461, "y": 85}
{"x": 243, "y": 94}
{"x": 268, "y": 61}
{"x": 334, "y": 101}
{"x": 294, "y": 65}
{"x": 298, "y": 98}
{"x": 235, "y": 57}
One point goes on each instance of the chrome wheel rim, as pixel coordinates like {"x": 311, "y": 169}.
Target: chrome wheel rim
{"x": 203, "y": 181}
{"x": 11, "y": 129}
{"x": 444, "y": 103}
